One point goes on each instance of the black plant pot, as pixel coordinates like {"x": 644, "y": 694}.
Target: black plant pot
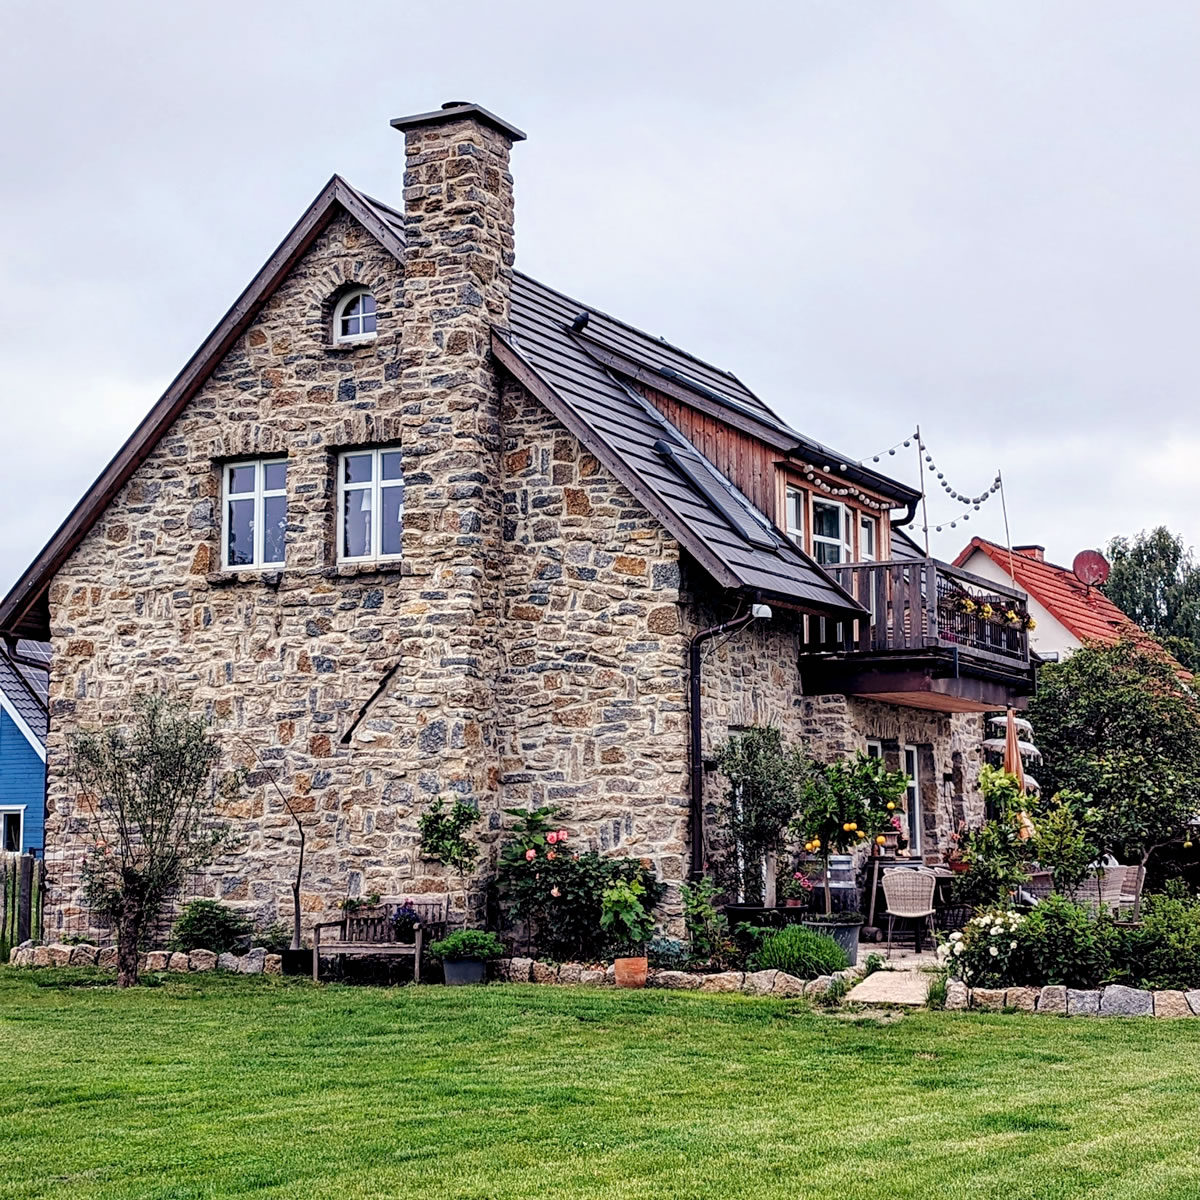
{"x": 845, "y": 935}
{"x": 464, "y": 970}
{"x": 297, "y": 962}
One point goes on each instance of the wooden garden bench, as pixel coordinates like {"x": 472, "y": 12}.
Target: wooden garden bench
{"x": 368, "y": 933}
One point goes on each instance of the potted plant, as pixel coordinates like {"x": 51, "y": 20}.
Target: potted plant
{"x": 845, "y": 804}
{"x": 624, "y": 918}
{"x": 795, "y": 889}
{"x": 465, "y": 954}
{"x": 405, "y": 920}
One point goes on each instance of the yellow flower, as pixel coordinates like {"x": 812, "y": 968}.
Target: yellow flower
{"x": 987, "y": 610}
{"x": 1031, "y": 624}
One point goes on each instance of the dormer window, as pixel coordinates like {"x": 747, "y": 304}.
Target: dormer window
{"x": 832, "y": 533}
{"x": 354, "y": 318}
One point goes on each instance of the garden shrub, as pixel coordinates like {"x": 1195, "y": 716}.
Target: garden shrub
{"x": 668, "y": 954}
{"x": 1062, "y": 943}
{"x": 987, "y": 952}
{"x": 707, "y": 928}
{"x": 207, "y": 925}
{"x": 559, "y": 891}
{"x": 1164, "y": 951}
{"x": 275, "y": 938}
{"x": 799, "y": 952}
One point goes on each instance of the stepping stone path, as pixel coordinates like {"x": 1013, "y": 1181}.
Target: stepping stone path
{"x": 891, "y": 987}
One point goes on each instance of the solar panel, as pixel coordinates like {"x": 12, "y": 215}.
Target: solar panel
{"x": 717, "y": 492}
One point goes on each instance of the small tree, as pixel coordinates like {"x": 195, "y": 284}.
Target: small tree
{"x": 765, "y": 784}
{"x": 1115, "y": 723}
{"x": 845, "y": 804}
{"x": 152, "y": 821}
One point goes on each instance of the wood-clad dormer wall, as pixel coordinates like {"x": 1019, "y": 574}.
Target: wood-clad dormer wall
{"x": 759, "y": 470}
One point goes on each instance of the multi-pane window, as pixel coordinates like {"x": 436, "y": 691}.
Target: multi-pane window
{"x": 868, "y": 537}
{"x": 830, "y": 532}
{"x": 912, "y": 794}
{"x": 354, "y": 317}
{"x": 912, "y": 800}
{"x": 793, "y": 514}
{"x": 370, "y": 505}
{"x": 255, "y": 513}
{"x": 11, "y": 831}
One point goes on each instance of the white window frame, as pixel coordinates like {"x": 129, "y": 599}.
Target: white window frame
{"x": 339, "y": 311}
{"x": 842, "y": 541}
{"x": 912, "y": 797}
{"x": 5, "y": 811}
{"x": 259, "y": 495}
{"x": 794, "y": 514}
{"x": 864, "y": 523}
{"x": 874, "y": 748}
{"x": 375, "y": 486}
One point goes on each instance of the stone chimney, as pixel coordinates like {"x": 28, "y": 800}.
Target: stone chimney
{"x": 458, "y": 222}
{"x": 1038, "y": 552}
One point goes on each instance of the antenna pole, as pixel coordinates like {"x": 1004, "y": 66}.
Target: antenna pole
{"x": 1007, "y": 535}
{"x": 924, "y": 510}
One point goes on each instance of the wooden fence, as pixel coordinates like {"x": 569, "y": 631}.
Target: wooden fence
{"x": 22, "y": 892}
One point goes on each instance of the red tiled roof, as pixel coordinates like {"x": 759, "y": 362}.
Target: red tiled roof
{"x": 1085, "y": 611}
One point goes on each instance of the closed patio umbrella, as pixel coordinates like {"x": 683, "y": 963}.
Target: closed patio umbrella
{"x": 1014, "y": 766}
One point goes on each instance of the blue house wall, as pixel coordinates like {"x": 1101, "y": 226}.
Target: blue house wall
{"x": 23, "y": 781}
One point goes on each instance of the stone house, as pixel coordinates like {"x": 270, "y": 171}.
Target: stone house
{"x": 411, "y": 523}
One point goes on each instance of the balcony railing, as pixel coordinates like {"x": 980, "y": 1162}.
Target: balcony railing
{"x": 921, "y": 604}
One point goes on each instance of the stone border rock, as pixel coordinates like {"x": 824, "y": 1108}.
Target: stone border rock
{"x": 1116, "y": 1000}
{"x": 255, "y": 961}
{"x": 752, "y": 983}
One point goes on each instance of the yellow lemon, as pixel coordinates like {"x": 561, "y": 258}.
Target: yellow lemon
{"x": 891, "y": 805}
{"x": 1187, "y": 845}
{"x": 860, "y": 833}
{"x": 853, "y": 826}
{"x": 847, "y": 827}
{"x": 881, "y": 840}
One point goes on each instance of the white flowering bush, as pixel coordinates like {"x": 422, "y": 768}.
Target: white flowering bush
{"x": 989, "y": 950}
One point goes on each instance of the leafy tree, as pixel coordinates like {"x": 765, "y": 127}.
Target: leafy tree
{"x": 1065, "y": 842}
{"x": 1156, "y": 581}
{"x": 765, "y": 786}
{"x": 995, "y": 854}
{"x": 1115, "y": 723}
{"x": 845, "y": 803}
{"x": 151, "y": 789}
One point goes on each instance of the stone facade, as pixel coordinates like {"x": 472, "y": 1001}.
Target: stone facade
{"x": 530, "y": 646}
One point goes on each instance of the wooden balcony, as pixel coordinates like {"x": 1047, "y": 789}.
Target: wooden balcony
{"x": 937, "y": 638}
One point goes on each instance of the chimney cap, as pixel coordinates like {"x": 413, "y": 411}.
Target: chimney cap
{"x": 457, "y": 110}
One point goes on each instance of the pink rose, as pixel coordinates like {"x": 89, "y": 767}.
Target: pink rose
{"x": 797, "y": 875}
{"x": 530, "y": 855}
{"x": 551, "y": 854}
{"x": 562, "y": 835}
{"x": 552, "y": 838}
{"x": 555, "y": 892}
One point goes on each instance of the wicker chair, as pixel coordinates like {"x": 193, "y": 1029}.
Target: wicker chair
{"x": 909, "y": 896}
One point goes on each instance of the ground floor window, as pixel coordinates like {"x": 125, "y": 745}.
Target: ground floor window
{"x": 909, "y": 764}
{"x": 12, "y": 822}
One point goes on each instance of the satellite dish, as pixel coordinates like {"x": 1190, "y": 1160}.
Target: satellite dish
{"x": 1090, "y": 567}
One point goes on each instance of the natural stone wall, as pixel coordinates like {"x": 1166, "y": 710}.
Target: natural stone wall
{"x": 592, "y": 693}
{"x": 1116, "y": 1000}
{"x": 256, "y": 961}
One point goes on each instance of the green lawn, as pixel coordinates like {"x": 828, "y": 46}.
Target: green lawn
{"x": 212, "y": 1086}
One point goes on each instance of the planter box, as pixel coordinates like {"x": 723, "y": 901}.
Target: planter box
{"x": 462, "y": 971}
{"x": 845, "y": 935}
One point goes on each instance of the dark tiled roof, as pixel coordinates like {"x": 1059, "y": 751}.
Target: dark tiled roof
{"x": 625, "y": 430}
{"x": 22, "y": 696}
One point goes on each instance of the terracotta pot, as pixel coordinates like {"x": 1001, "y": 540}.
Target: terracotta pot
{"x": 796, "y": 903}
{"x": 958, "y": 866}
{"x": 630, "y": 972}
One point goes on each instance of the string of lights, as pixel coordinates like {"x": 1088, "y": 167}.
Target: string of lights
{"x": 970, "y": 503}
{"x": 841, "y": 487}
{"x": 901, "y": 444}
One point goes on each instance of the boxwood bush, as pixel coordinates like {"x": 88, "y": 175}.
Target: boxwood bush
{"x": 799, "y": 952}
{"x": 207, "y": 925}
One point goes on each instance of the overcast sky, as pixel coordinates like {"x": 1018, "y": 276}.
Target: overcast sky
{"x": 982, "y": 217}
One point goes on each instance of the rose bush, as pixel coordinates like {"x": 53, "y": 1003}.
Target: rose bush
{"x": 558, "y": 890}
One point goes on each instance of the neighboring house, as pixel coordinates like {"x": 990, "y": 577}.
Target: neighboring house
{"x": 1068, "y": 612}
{"x": 23, "y": 727}
{"x": 412, "y": 523}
